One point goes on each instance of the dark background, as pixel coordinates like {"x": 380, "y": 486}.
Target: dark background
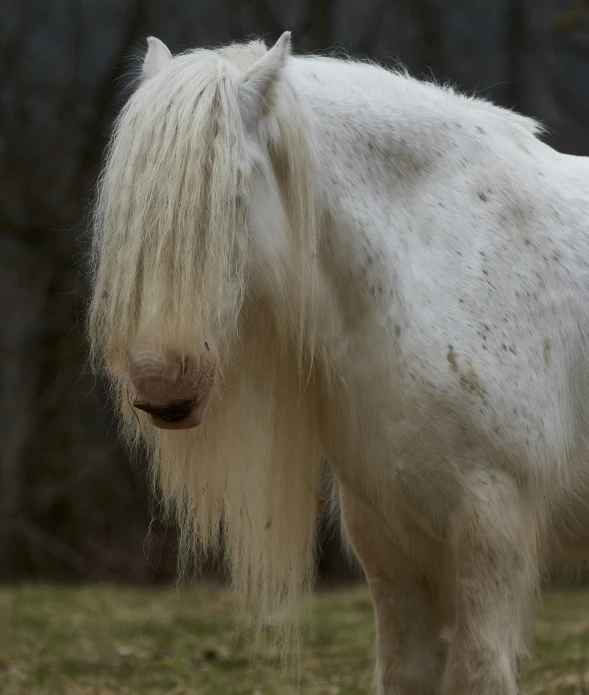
{"x": 71, "y": 505}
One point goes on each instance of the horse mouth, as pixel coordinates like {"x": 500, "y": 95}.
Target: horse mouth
{"x": 178, "y": 414}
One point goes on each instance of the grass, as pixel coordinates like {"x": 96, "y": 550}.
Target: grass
{"x": 108, "y": 640}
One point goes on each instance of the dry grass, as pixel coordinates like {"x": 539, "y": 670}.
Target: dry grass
{"x": 107, "y": 641}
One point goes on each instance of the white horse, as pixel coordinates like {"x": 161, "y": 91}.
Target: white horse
{"x": 316, "y": 257}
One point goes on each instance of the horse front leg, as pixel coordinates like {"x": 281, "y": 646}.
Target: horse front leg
{"x": 408, "y": 659}
{"x": 409, "y": 652}
{"x": 493, "y": 545}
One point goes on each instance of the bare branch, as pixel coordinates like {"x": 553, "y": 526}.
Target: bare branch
{"x": 430, "y": 19}
{"x": 95, "y": 136}
{"x": 565, "y": 100}
{"x": 372, "y": 28}
{"x": 55, "y": 547}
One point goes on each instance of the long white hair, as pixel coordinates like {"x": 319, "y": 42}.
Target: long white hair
{"x": 172, "y": 252}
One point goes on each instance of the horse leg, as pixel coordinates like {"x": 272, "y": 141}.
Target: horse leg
{"x": 408, "y": 647}
{"x": 404, "y": 595}
{"x": 493, "y": 546}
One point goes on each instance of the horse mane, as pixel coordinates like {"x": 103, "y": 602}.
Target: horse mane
{"x": 170, "y": 238}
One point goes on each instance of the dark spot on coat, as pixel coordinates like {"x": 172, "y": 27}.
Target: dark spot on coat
{"x": 547, "y": 351}
{"x": 483, "y": 197}
{"x": 451, "y": 357}
{"x": 469, "y": 381}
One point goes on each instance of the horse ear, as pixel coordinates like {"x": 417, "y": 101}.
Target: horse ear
{"x": 157, "y": 57}
{"x": 257, "y": 85}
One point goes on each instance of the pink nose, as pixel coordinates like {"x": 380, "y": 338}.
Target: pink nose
{"x": 174, "y": 391}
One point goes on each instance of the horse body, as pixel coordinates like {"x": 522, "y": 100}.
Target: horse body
{"x": 461, "y": 285}
{"x": 464, "y": 361}
{"x": 432, "y": 304}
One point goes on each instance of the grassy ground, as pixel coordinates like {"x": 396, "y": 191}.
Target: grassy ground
{"x": 107, "y": 641}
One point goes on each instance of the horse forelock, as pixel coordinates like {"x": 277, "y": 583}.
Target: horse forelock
{"x": 170, "y": 222}
{"x": 167, "y": 220}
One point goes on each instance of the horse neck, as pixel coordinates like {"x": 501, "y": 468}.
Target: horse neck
{"x": 374, "y": 140}
{"x": 371, "y": 147}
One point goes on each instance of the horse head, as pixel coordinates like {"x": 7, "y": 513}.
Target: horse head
{"x": 193, "y": 224}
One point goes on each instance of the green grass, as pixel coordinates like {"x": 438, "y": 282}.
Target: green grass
{"x": 106, "y": 641}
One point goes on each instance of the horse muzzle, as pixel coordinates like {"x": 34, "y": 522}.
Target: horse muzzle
{"x": 172, "y": 389}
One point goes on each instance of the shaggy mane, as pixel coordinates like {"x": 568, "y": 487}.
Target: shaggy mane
{"x": 171, "y": 247}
